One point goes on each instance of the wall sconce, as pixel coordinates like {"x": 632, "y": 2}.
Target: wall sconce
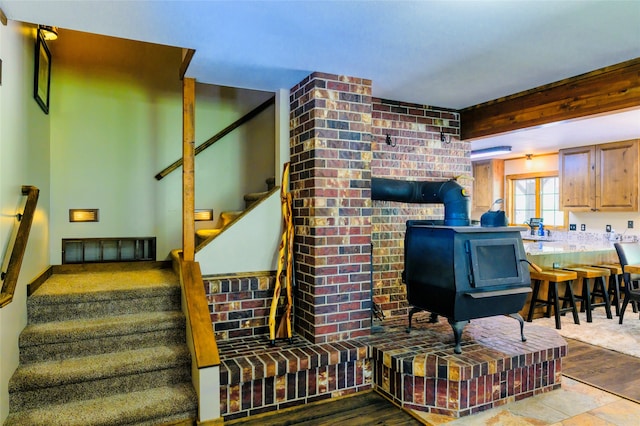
{"x": 488, "y": 152}
{"x": 203, "y": 214}
{"x": 83, "y": 215}
{"x": 48, "y": 32}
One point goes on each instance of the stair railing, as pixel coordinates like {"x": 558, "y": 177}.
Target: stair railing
{"x": 18, "y": 246}
{"x": 222, "y": 133}
{"x": 202, "y": 342}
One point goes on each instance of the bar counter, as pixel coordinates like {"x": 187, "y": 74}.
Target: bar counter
{"x": 567, "y": 253}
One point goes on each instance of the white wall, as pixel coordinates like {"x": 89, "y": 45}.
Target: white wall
{"x": 249, "y": 245}
{"x": 24, "y": 159}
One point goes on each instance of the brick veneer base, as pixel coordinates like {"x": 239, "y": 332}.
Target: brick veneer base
{"x": 256, "y": 378}
{"x": 239, "y": 305}
{"x": 418, "y": 371}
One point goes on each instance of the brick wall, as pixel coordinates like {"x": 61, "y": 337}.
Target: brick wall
{"x": 239, "y": 306}
{"x": 330, "y": 183}
{"x": 419, "y": 154}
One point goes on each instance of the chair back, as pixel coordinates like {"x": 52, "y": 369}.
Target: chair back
{"x": 629, "y": 254}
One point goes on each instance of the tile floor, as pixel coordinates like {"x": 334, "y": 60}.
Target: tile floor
{"x": 575, "y": 404}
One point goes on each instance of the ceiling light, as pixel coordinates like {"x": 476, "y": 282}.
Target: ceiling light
{"x": 529, "y": 156}
{"x": 488, "y": 152}
{"x": 48, "y": 32}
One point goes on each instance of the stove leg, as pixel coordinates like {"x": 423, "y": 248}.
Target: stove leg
{"x": 457, "y": 327}
{"x": 411, "y": 312}
{"x": 521, "y": 321}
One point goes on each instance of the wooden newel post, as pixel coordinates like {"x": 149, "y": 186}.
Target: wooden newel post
{"x": 188, "y": 175}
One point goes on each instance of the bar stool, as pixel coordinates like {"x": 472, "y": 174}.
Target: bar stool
{"x": 585, "y": 274}
{"x": 614, "y": 283}
{"x": 553, "y": 278}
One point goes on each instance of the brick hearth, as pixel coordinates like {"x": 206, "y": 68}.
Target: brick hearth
{"x": 418, "y": 370}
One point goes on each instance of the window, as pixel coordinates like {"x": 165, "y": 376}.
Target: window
{"x": 535, "y": 195}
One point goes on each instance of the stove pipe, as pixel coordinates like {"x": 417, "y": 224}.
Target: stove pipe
{"x": 450, "y": 193}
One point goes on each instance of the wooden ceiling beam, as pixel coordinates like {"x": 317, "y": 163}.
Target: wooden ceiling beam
{"x": 613, "y": 88}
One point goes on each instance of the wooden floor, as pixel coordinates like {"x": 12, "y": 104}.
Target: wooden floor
{"x": 606, "y": 369}
{"x": 367, "y": 408}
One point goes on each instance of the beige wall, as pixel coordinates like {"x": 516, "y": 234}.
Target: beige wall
{"x": 117, "y": 121}
{"x": 24, "y": 159}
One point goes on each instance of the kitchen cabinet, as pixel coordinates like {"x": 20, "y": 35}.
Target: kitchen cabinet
{"x": 600, "y": 177}
{"x": 488, "y": 185}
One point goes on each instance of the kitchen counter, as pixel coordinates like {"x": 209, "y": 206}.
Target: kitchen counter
{"x": 563, "y": 254}
{"x": 559, "y": 247}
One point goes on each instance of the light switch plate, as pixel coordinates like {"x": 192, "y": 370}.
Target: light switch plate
{"x": 572, "y": 227}
{"x": 583, "y": 227}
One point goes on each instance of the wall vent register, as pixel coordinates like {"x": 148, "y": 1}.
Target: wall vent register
{"x": 96, "y": 250}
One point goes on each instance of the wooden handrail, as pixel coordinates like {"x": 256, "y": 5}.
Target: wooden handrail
{"x": 203, "y": 339}
{"x": 10, "y": 276}
{"x": 222, "y": 133}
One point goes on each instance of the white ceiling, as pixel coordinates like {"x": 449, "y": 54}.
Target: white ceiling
{"x": 450, "y": 54}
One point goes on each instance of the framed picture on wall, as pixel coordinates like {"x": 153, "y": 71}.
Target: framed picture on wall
{"x": 42, "y": 74}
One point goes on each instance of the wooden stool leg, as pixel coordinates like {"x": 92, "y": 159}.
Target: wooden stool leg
{"x": 586, "y": 299}
{"x": 614, "y": 290}
{"x": 534, "y": 299}
{"x": 599, "y": 282}
{"x": 553, "y": 292}
{"x": 568, "y": 294}
{"x": 624, "y": 306}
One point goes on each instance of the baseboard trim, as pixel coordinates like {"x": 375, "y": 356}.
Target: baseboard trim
{"x": 39, "y": 280}
{"x": 240, "y": 275}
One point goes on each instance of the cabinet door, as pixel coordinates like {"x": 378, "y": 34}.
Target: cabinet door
{"x": 577, "y": 178}
{"x": 488, "y": 185}
{"x": 617, "y": 176}
{"x": 481, "y": 185}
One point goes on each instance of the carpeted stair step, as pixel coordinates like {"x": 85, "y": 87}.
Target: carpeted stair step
{"x": 89, "y": 295}
{"x": 271, "y": 183}
{"x": 226, "y": 218}
{"x": 66, "y": 339}
{"x": 150, "y": 407}
{"x": 57, "y": 382}
{"x": 253, "y": 197}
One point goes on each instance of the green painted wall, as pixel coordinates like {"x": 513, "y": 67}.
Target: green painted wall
{"x": 116, "y": 121}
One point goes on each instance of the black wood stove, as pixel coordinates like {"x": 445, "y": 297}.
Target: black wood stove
{"x": 455, "y": 270}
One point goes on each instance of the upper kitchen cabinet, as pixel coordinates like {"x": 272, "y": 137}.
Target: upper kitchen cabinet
{"x": 600, "y": 177}
{"x": 488, "y": 185}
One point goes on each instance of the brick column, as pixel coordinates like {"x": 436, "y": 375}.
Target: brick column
{"x": 331, "y": 181}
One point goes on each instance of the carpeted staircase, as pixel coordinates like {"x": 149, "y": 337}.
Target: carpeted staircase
{"x": 104, "y": 348}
